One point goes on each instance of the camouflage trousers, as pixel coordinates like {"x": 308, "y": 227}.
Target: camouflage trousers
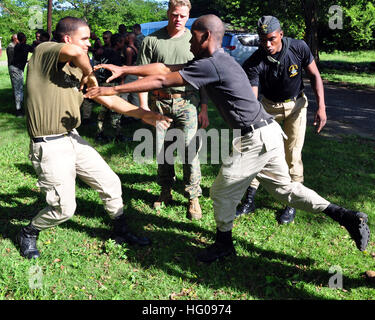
{"x": 183, "y": 111}
{"x": 16, "y": 77}
{"x": 115, "y": 118}
{"x": 86, "y": 108}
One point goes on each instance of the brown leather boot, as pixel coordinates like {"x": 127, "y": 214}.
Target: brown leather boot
{"x": 194, "y": 209}
{"x": 164, "y": 197}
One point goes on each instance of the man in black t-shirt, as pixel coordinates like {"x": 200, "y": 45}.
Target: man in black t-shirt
{"x": 276, "y": 69}
{"x": 259, "y": 152}
{"x": 111, "y": 55}
{"x": 16, "y": 69}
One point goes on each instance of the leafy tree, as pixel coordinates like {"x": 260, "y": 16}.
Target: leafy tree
{"x": 302, "y": 19}
{"x": 15, "y": 15}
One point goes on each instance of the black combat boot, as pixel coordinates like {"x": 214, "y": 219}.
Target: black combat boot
{"x": 248, "y": 205}
{"x": 26, "y": 239}
{"x": 288, "y": 215}
{"x": 122, "y": 234}
{"x": 222, "y": 247}
{"x": 354, "y": 221}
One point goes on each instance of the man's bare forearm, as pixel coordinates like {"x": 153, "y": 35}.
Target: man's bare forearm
{"x": 318, "y": 88}
{"x": 151, "y": 69}
{"x": 120, "y": 105}
{"x": 149, "y": 83}
{"x": 74, "y": 54}
{"x": 172, "y": 79}
{"x": 142, "y": 85}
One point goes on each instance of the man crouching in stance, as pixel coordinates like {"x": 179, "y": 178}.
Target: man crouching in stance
{"x": 56, "y": 73}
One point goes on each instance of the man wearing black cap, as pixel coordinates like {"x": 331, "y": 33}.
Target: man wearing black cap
{"x": 276, "y": 68}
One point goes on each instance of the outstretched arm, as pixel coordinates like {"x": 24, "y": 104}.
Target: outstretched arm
{"x": 120, "y": 105}
{"x": 172, "y": 79}
{"x": 142, "y": 70}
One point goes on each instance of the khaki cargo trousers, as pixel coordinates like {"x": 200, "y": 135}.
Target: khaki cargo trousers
{"x": 292, "y": 117}
{"x": 57, "y": 164}
{"x": 260, "y": 154}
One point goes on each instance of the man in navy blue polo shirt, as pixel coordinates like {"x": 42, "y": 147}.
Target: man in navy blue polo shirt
{"x": 276, "y": 69}
{"x": 259, "y": 152}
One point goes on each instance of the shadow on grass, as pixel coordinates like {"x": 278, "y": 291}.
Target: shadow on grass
{"x": 257, "y": 272}
{"x": 7, "y": 101}
{"x": 328, "y": 171}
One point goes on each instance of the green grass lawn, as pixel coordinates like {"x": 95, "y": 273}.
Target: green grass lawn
{"x": 352, "y": 68}
{"x": 78, "y": 261}
{"x": 362, "y": 56}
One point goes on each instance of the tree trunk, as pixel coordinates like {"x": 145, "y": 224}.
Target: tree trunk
{"x": 49, "y": 17}
{"x": 311, "y": 20}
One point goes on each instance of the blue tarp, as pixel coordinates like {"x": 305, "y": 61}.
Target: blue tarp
{"x": 150, "y": 27}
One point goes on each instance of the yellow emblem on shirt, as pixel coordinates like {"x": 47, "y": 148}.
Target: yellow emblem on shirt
{"x": 293, "y": 70}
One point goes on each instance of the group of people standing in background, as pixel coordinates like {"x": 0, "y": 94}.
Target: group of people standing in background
{"x": 119, "y": 49}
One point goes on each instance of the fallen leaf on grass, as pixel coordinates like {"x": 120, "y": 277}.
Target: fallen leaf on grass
{"x": 370, "y": 275}
{"x": 184, "y": 292}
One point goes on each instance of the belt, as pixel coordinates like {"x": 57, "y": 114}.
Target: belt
{"x": 257, "y": 125}
{"x": 50, "y": 138}
{"x": 163, "y": 95}
{"x": 291, "y": 99}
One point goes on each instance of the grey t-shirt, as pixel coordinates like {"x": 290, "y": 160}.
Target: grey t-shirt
{"x": 227, "y": 86}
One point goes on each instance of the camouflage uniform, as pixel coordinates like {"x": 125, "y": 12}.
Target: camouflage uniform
{"x": 16, "y": 77}
{"x": 114, "y": 116}
{"x": 183, "y": 111}
{"x": 86, "y": 109}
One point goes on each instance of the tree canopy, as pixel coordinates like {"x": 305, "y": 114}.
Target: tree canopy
{"x": 303, "y": 19}
{"x": 101, "y": 15}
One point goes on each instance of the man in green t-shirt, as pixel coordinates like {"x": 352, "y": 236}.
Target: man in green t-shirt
{"x": 58, "y": 153}
{"x": 170, "y": 45}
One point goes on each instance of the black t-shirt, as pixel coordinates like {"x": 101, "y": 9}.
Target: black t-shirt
{"x": 109, "y": 56}
{"x": 226, "y": 84}
{"x": 21, "y": 52}
{"x": 289, "y": 84}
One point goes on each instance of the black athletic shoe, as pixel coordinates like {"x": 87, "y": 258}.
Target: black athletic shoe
{"x": 353, "y": 221}
{"x": 248, "y": 205}
{"x": 121, "y": 234}
{"x": 356, "y": 224}
{"x": 101, "y": 138}
{"x": 223, "y": 247}
{"x": 20, "y": 113}
{"x": 288, "y": 215}
{"x": 26, "y": 239}
{"x": 216, "y": 251}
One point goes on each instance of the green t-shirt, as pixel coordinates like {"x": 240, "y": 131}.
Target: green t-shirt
{"x": 160, "y": 47}
{"x": 53, "y": 98}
